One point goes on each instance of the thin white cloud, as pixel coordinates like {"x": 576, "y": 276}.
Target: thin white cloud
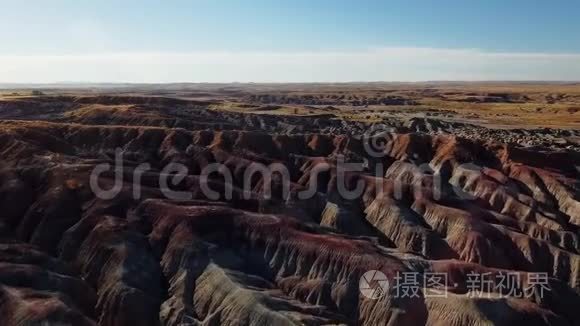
{"x": 381, "y": 64}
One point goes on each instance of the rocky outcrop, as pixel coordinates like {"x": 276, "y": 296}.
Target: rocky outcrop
{"x": 256, "y": 251}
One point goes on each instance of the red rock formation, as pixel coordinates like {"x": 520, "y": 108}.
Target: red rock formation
{"x": 428, "y": 204}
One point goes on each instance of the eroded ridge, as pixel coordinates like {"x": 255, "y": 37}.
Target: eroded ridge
{"x": 255, "y": 250}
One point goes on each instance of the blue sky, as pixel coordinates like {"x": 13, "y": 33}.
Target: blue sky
{"x": 213, "y": 40}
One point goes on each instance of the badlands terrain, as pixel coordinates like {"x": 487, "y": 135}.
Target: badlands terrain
{"x": 455, "y": 179}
